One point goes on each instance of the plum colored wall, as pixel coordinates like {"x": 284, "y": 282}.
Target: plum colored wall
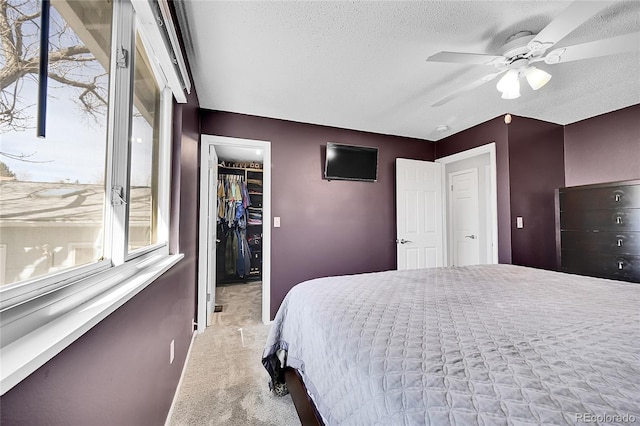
{"x": 118, "y": 373}
{"x": 605, "y": 148}
{"x": 536, "y": 169}
{"x": 328, "y": 227}
{"x": 529, "y": 166}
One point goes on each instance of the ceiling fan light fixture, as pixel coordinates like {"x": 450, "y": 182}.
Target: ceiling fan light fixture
{"x": 536, "y": 77}
{"x": 515, "y": 94}
{"x": 509, "y": 82}
{"x": 512, "y": 92}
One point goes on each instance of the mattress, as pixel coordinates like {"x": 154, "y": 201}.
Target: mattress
{"x": 487, "y": 345}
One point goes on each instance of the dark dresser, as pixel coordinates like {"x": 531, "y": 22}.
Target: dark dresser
{"x": 598, "y": 230}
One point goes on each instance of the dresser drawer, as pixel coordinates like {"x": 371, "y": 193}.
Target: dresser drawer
{"x": 618, "y": 267}
{"x": 603, "y": 242}
{"x": 601, "y": 220}
{"x": 614, "y": 197}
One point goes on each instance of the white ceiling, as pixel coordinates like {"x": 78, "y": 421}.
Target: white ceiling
{"x": 362, "y": 65}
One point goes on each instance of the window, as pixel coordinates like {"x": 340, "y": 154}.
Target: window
{"x": 3, "y": 258}
{"x": 83, "y": 211}
{"x": 145, "y": 136}
{"x": 53, "y": 189}
{"x": 80, "y": 253}
{"x": 71, "y": 188}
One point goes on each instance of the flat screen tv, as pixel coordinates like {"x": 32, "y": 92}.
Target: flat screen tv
{"x": 350, "y": 162}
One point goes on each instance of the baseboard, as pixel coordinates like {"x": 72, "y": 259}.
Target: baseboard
{"x": 184, "y": 369}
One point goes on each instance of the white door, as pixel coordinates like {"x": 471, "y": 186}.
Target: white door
{"x": 207, "y": 225}
{"x": 419, "y": 214}
{"x": 212, "y": 218}
{"x": 465, "y": 213}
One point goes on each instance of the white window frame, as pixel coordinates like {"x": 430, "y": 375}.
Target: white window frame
{"x": 164, "y": 160}
{"x": 42, "y": 316}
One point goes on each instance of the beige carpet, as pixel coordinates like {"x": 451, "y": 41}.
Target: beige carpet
{"x": 225, "y": 382}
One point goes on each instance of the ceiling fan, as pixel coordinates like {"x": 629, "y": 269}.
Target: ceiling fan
{"x": 523, "y": 49}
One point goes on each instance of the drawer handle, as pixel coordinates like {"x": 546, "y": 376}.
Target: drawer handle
{"x": 617, "y": 197}
{"x": 620, "y": 264}
{"x": 619, "y": 243}
{"x": 618, "y": 219}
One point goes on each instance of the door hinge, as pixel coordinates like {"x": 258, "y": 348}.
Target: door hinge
{"x": 122, "y": 57}
{"x": 117, "y": 196}
{"x": 212, "y": 164}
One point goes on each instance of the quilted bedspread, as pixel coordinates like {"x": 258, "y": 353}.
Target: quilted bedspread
{"x": 487, "y": 345}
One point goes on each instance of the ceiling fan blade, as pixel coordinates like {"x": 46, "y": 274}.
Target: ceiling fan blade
{"x": 567, "y": 21}
{"x": 604, "y": 47}
{"x": 468, "y": 87}
{"x": 464, "y": 58}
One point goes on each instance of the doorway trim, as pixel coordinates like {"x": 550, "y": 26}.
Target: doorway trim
{"x": 490, "y": 149}
{"x": 207, "y": 247}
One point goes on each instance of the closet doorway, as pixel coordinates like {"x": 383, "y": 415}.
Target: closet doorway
{"x": 241, "y": 157}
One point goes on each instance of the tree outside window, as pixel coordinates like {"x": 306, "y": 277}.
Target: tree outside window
{"x": 53, "y": 202}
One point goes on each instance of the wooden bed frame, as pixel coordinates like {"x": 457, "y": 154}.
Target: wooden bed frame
{"x": 305, "y": 407}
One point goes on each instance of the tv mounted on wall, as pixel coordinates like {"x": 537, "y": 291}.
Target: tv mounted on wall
{"x": 350, "y": 162}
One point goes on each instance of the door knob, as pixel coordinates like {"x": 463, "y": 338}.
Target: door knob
{"x": 403, "y": 241}
{"x": 473, "y": 237}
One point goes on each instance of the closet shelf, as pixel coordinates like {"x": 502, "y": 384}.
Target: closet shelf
{"x": 248, "y": 169}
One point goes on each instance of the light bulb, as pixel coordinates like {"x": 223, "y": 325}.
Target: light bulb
{"x": 512, "y": 92}
{"x": 536, "y": 77}
{"x": 509, "y": 81}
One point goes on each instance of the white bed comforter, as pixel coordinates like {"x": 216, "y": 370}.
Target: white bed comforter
{"x": 487, "y": 345}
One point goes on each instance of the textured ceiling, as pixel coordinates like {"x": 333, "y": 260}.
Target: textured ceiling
{"x": 362, "y": 65}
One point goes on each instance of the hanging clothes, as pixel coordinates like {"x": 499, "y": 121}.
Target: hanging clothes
{"x": 233, "y": 197}
{"x": 220, "y": 196}
{"x": 246, "y": 252}
{"x": 231, "y": 252}
{"x": 233, "y": 202}
{"x": 221, "y": 249}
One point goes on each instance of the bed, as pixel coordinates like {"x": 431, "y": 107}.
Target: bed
{"x": 486, "y": 344}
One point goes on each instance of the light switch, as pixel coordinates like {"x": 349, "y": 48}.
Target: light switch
{"x": 519, "y": 223}
{"x": 276, "y": 222}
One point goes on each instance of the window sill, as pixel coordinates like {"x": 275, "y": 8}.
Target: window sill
{"x": 47, "y": 325}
